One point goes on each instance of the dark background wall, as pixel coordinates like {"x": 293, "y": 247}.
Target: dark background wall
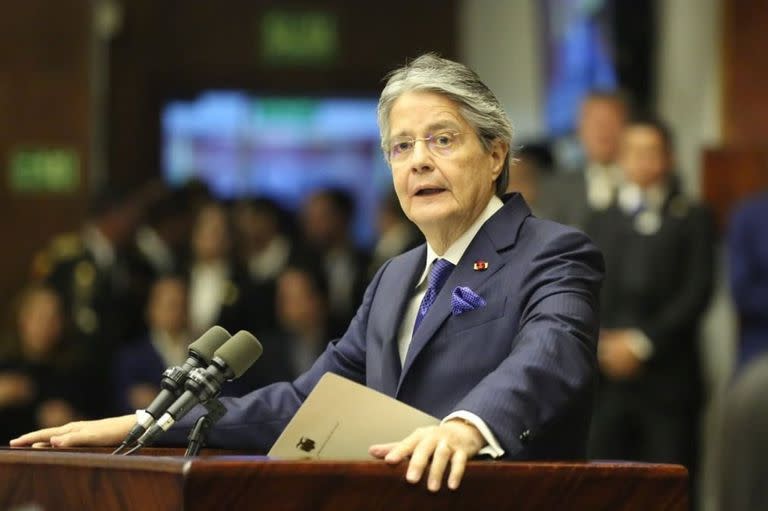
{"x": 44, "y": 102}
{"x": 160, "y": 50}
{"x": 172, "y": 48}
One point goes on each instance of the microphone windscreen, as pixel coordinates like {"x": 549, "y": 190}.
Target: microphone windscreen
{"x": 240, "y": 352}
{"x": 209, "y": 342}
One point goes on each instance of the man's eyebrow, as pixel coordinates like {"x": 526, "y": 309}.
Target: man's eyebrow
{"x": 435, "y": 126}
{"x": 441, "y": 125}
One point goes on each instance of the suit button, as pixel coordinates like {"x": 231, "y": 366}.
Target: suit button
{"x": 525, "y": 436}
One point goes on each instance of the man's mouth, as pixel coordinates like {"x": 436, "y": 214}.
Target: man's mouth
{"x": 429, "y": 191}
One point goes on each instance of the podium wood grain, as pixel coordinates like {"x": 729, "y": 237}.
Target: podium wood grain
{"x": 52, "y": 480}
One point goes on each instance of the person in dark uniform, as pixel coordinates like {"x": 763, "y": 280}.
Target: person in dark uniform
{"x": 92, "y": 272}
{"x": 659, "y": 252}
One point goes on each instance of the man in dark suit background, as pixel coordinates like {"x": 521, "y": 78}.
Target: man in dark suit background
{"x": 570, "y": 197}
{"x": 748, "y": 265}
{"x": 658, "y": 246}
{"x": 491, "y": 325}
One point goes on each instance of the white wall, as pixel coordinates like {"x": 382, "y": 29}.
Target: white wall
{"x": 689, "y": 81}
{"x": 499, "y": 39}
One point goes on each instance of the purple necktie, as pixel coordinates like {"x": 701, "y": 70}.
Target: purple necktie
{"x": 441, "y": 268}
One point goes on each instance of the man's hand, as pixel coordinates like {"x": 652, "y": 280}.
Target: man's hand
{"x": 99, "y": 433}
{"x": 617, "y": 359}
{"x": 454, "y": 441}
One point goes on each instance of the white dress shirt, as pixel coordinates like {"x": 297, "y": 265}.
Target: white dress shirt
{"x": 602, "y": 182}
{"x": 452, "y": 254}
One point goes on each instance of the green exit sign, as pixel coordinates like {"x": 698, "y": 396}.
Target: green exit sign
{"x": 303, "y": 37}
{"x": 40, "y": 169}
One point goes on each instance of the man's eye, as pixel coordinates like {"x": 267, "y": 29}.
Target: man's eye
{"x": 443, "y": 140}
{"x": 401, "y": 147}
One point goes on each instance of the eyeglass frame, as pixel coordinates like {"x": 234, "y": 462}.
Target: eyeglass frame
{"x": 426, "y": 140}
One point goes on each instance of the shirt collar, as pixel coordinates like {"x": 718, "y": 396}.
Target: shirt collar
{"x": 457, "y": 249}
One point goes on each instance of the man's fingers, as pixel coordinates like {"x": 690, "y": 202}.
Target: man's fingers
{"x": 381, "y": 450}
{"x": 458, "y": 464}
{"x": 420, "y": 458}
{"x": 404, "y": 448}
{"x": 43, "y": 435}
{"x": 440, "y": 460}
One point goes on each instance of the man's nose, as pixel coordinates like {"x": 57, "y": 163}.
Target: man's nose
{"x": 421, "y": 159}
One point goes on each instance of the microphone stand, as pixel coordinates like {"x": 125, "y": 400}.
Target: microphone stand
{"x": 203, "y": 425}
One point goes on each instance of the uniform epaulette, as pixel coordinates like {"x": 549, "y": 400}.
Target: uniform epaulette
{"x": 66, "y": 246}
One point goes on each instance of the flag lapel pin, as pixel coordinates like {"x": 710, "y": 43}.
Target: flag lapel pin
{"x": 480, "y": 265}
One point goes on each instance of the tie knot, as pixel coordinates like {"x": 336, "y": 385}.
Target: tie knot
{"x": 441, "y": 268}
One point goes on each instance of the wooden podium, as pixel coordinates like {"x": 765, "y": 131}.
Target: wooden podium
{"x": 53, "y": 480}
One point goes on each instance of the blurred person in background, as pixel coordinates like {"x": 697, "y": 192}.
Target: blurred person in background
{"x": 532, "y": 164}
{"x": 39, "y": 382}
{"x": 93, "y": 272}
{"x": 326, "y": 220}
{"x": 396, "y": 234}
{"x": 161, "y": 238}
{"x": 220, "y": 292}
{"x": 263, "y": 246}
{"x": 743, "y": 443}
{"x": 569, "y": 197}
{"x": 748, "y": 265}
{"x": 264, "y": 249}
{"x": 139, "y": 365}
{"x": 302, "y": 309}
{"x": 659, "y": 252}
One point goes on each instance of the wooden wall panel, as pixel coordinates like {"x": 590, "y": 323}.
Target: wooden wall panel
{"x": 745, "y": 72}
{"x": 44, "y": 101}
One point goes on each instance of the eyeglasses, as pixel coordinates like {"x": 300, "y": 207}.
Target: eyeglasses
{"x": 440, "y": 144}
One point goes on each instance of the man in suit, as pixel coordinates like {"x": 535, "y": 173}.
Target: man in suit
{"x": 743, "y": 441}
{"x": 748, "y": 271}
{"x": 491, "y": 325}
{"x": 659, "y": 252}
{"x": 570, "y": 197}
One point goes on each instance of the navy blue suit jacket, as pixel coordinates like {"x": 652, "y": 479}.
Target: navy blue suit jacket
{"x": 525, "y": 363}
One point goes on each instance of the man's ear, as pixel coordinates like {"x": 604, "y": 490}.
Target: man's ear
{"x": 498, "y": 155}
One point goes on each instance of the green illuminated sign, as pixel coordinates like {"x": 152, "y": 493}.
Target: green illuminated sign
{"x": 289, "y": 37}
{"x": 44, "y": 170}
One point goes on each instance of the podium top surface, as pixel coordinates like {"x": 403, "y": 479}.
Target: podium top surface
{"x": 163, "y": 479}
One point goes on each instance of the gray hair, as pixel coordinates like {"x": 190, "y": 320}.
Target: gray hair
{"x": 477, "y": 104}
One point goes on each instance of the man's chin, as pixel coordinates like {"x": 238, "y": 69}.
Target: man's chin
{"x": 427, "y": 217}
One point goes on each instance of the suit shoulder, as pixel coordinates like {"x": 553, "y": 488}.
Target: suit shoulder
{"x": 545, "y": 229}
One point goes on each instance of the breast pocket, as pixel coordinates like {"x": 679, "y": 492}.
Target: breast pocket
{"x": 462, "y": 322}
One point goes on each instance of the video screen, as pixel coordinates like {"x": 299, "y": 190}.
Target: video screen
{"x": 245, "y": 145}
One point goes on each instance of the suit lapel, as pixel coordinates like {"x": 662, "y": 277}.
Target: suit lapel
{"x": 497, "y": 234}
{"x": 404, "y": 272}
{"x": 462, "y": 275}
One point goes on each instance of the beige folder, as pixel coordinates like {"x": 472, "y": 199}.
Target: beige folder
{"x": 340, "y": 419}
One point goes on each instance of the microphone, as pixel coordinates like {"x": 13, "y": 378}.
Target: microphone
{"x": 230, "y": 361}
{"x": 201, "y": 352}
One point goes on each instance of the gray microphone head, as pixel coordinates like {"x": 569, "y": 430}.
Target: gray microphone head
{"x": 240, "y": 352}
{"x": 209, "y": 342}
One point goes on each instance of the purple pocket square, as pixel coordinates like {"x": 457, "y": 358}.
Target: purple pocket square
{"x": 464, "y": 300}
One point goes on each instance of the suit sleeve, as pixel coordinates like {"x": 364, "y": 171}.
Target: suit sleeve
{"x": 682, "y": 310}
{"x": 748, "y": 274}
{"x": 552, "y": 366}
{"x": 254, "y": 421}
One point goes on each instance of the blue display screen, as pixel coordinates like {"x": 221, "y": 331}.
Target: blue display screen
{"x": 283, "y": 148}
